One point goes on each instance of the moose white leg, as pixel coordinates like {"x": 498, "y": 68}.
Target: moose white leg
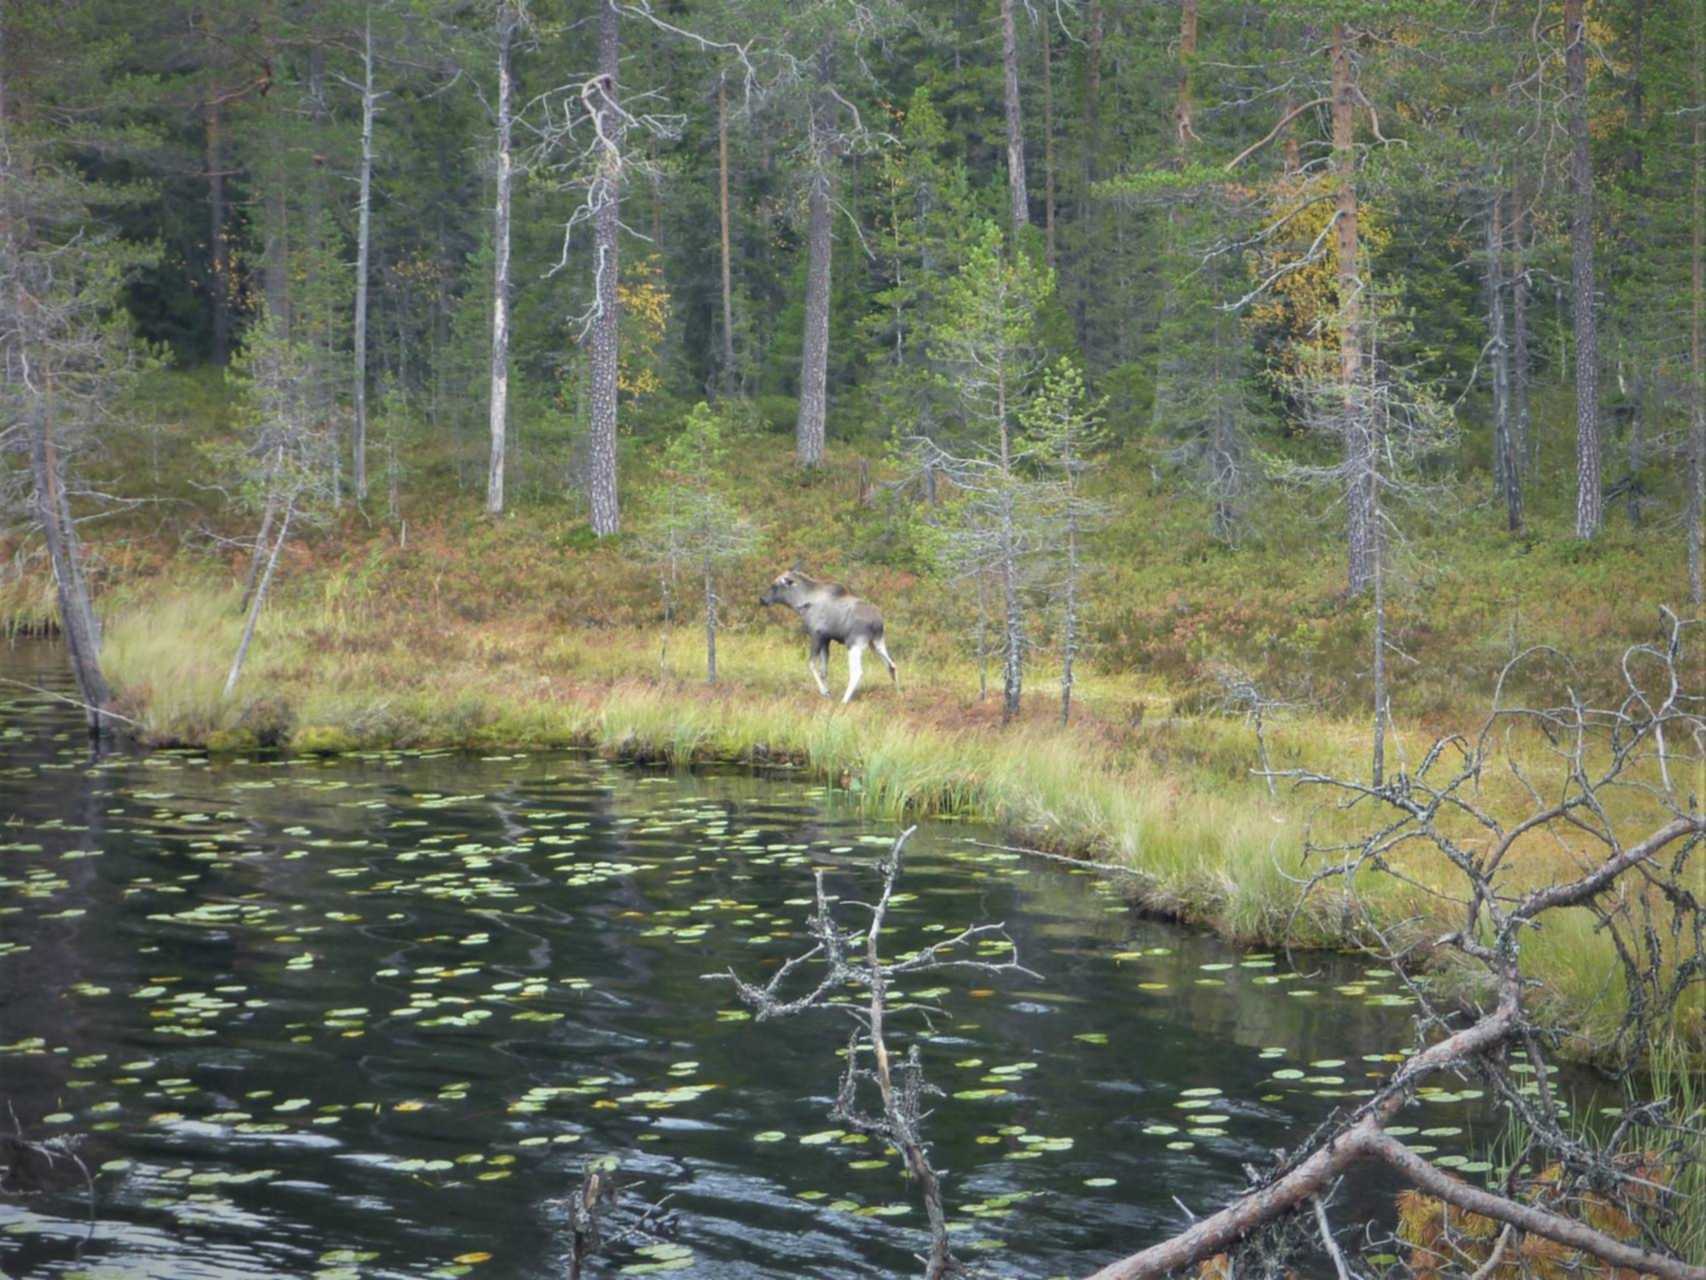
{"x": 820, "y": 676}
{"x": 883, "y": 653}
{"x": 855, "y": 654}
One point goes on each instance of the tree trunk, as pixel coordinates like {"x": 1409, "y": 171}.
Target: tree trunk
{"x": 257, "y": 554}
{"x": 77, "y": 621}
{"x": 1378, "y": 764}
{"x": 1359, "y": 450}
{"x": 218, "y": 257}
{"x": 1697, "y": 330}
{"x": 1013, "y": 639}
{"x": 814, "y": 355}
{"x": 601, "y": 468}
{"x": 1093, "y": 35}
{"x": 1637, "y": 447}
{"x": 1507, "y": 460}
{"x": 1590, "y": 504}
{"x": 728, "y": 379}
{"x": 1069, "y": 629}
{"x": 1021, "y": 212}
{"x": 711, "y": 625}
{"x": 1183, "y": 130}
{"x": 363, "y": 240}
{"x": 260, "y": 597}
{"x": 1521, "y": 361}
{"x": 499, "y": 402}
{"x": 982, "y": 633}
{"x": 1048, "y": 143}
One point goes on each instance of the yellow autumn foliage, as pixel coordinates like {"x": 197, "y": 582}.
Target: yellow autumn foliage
{"x": 644, "y": 301}
{"x": 1303, "y": 304}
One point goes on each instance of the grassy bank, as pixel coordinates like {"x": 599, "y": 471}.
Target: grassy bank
{"x": 1171, "y": 797}
{"x": 428, "y": 624}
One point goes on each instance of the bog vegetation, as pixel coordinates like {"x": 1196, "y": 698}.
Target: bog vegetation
{"x": 1210, "y": 394}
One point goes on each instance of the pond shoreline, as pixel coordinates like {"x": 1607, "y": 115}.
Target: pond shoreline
{"x": 1172, "y": 804}
{"x": 1193, "y": 849}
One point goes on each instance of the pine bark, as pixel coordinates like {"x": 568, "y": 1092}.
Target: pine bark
{"x": 728, "y": 378}
{"x": 601, "y": 468}
{"x": 1590, "y": 503}
{"x": 814, "y": 358}
{"x": 1017, "y": 199}
{"x": 1359, "y": 448}
{"x": 363, "y": 243}
{"x": 499, "y": 401}
{"x": 809, "y": 430}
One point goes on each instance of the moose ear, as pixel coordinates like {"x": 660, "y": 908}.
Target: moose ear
{"x": 796, "y": 567}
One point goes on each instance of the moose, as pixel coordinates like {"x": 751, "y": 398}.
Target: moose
{"x": 829, "y": 611}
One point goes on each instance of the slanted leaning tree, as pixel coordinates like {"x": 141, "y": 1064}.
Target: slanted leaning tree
{"x": 279, "y": 461}
{"x": 65, "y": 345}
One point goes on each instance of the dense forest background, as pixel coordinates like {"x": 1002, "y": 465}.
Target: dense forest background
{"x": 1340, "y": 281}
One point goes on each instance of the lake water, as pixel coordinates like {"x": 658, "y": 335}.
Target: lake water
{"x": 370, "y": 1016}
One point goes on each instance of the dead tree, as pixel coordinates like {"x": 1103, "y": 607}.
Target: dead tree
{"x": 851, "y": 959}
{"x": 586, "y": 143}
{"x": 280, "y": 463}
{"x": 1638, "y": 873}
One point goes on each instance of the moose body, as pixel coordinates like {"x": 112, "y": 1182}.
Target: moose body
{"x": 829, "y": 611}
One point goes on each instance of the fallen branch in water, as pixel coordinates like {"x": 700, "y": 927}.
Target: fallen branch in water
{"x": 852, "y": 960}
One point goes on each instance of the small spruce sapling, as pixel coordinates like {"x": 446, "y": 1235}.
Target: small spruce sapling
{"x": 697, "y": 524}
{"x": 1064, "y": 425}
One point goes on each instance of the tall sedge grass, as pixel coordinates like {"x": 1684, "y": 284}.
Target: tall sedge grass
{"x": 1678, "y": 1075}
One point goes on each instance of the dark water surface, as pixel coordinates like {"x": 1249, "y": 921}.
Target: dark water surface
{"x": 369, "y": 1016}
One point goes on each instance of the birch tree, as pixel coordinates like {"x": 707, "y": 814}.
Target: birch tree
{"x": 510, "y": 23}
{"x": 370, "y": 96}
